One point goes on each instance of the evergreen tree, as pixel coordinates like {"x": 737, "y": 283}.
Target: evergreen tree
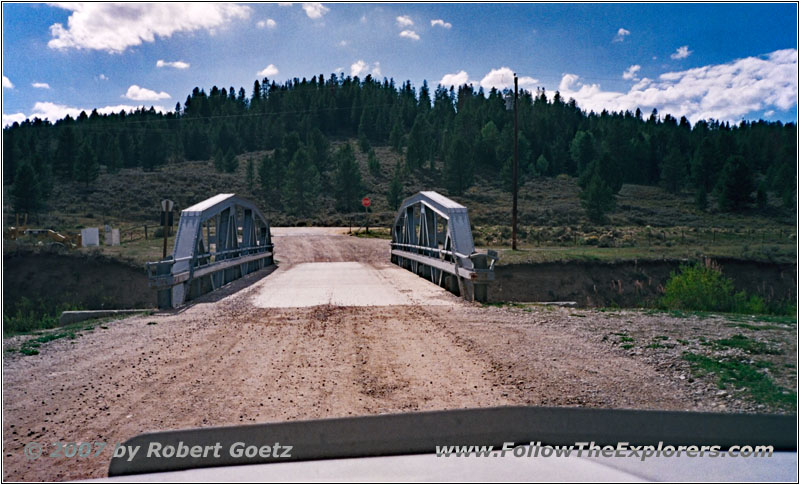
{"x": 219, "y": 161}
{"x": 25, "y": 192}
{"x": 542, "y": 165}
{"x": 66, "y": 152}
{"x": 597, "y": 198}
{"x": 396, "y": 137}
{"x": 673, "y": 171}
{"x": 735, "y": 186}
{"x": 114, "y": 156}
{"x": 348, "y": 179}
{"x": 582, "y": 151}
{"x": 302, "y": 187}
{"x": 86, "y": 167}
{"x": 231, "y": 162}
{"x": 459, "y": 167}
{"x": 373, "y": 164}
{"x": 395, "y": 193}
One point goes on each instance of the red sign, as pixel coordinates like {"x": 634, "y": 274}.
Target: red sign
{"x": 365, "y": 202}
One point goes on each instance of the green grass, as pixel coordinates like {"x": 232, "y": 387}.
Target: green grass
{"x": 748, "y": 345}
{"x": 732, "y": 373}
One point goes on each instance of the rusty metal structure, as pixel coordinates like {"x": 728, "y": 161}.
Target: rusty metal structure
{"x": 431, "y": 237}
{"x": 219, "y": 240}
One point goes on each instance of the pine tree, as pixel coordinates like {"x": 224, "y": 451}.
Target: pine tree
{"x": 25, "y": 192}
{"x": 459, "y": 167}
{"x": 582, "y": 151}
{"x": 231, "y": 162}
{"x": 673, "y": 171}
{"x": 86, "y": 167}
{"x": 348, "y": 178}
{"x": 395, "y": 193}
{"x": 373, "y": 164}
{"x": 597, "y": 198}
{"x": 302, "y": 187}
{"x": 735, "y": 186}
{"x": 66, "y": 152}
{"x": 219, "y": 161}
{"x": 542, "y": 165}
{"x": 396, "y": 137}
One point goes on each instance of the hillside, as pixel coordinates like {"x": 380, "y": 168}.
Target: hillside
{"x": 549, "y": 207}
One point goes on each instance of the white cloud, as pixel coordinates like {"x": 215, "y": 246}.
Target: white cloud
{"x": 404, "y": 21}
{"x": 55, "y": 112}
{"x": 681, "y": 53}
{"x": 268, "y": 24}
{"x": 315, "y": 10}
{"x": 137, "y": 93}
{"x": 630, "y": 73}
{"x": 268, "y": 71}
{"x": 769, "y": 113}
{"x": 175, "y": 64}
{"x": 102, "y": 77}
{"x": 441, "y": 23}
{"x": 455, "y": 79}
{"x": 409, "y": 34}
{"x": 363, "y": 19}
{"x": 7, "y": 83}
{"x": 376, "y": 69}
{"x": 284, "y": 4}
{"x": 725, "y": 92}
{"x": 621, "y": 34}
{"x": 113, "y": 27}
{"x": 343, "y": 43}
{"x": 40, "y": 85}
{"x": 504, "y": 78}
{"x": 358, "y": 68}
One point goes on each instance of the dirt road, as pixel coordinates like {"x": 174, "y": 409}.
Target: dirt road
{"x": 241, "y": 356}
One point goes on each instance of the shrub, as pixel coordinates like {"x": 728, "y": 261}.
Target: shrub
{"x": 704, "y": 288}
{"x": 700, "y": 288}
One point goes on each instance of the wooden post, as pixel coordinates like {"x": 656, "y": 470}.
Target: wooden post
{"x": 145, "y": 232}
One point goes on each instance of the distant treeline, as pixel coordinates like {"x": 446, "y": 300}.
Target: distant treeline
{"x": 451, "y": 133}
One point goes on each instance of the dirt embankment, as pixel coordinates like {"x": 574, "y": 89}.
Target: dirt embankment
{"x": 89, "y": 281}
{"x": 628, "y": 284}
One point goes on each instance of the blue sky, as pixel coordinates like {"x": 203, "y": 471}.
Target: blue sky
{"x": 723, "y": 61}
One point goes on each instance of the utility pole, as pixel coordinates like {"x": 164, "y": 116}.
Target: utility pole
{"x": 516, "y": 167}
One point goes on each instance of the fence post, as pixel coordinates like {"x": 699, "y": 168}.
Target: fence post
{"x": 145, "y": 232}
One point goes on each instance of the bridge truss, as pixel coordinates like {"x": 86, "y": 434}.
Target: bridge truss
{"x": 431, "y": 237}
{"x": 219, "y": 240}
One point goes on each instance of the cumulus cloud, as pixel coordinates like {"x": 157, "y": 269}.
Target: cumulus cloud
{"x": 630, "y": 73}
{"x": 621, "y": 34}
{"x": 769, "y": 113}
{"x": 137, "y": 93}
{"x": 102, "y": 77}
{"x": 725, "y": 92}
{"x": 361, "y": 68}
{"x": 174, "y": 64}
{"x": 266, "y": 24}
{"x": 358, "y": 68}
{"x": 113, "y": 27}
{"x": 681, "y": 53}
{"x": 268, "y": 71}
{"x": 409, "y": 34}
{"x": 315, "y": 10}
{"x": 55, "y": 112}
{"x": 503, "y": 78}
{"x": 441, "y": 23}
{"x": 7, "y": 83}
{"x": 343, "y": 43}
{"x": 404, "y": 21}
{"x": 455, "y": 79}
{"x": 40, "y": 85}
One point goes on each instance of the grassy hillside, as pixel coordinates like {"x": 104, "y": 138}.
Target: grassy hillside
{"x": 648, "y": 222}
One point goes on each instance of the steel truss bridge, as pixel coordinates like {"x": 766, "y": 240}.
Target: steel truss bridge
{"x": 226, "y": 237}
{"x": 431, "y": 237}
{"x": 219, "y": 240}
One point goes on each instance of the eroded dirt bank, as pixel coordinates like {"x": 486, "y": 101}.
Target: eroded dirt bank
{"x": 630, "y": 283}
